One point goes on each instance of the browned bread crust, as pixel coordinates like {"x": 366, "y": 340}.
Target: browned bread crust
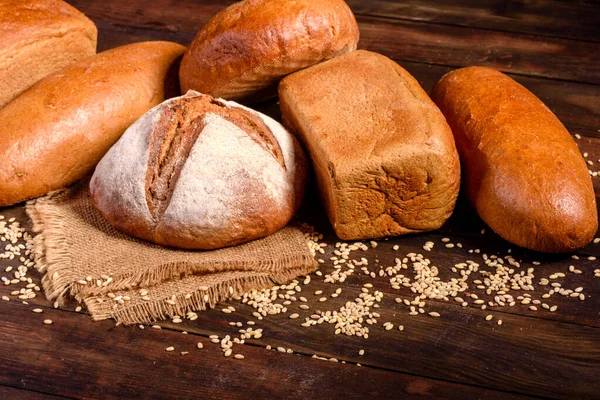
{"x": 383, "y": 154}
{"x": 243, "y": 51}
{"x": 201, "y": 173}
{"x": 37, "y": 38}
{"x": 522, "y": 170}
{"x": 55, "y": 132}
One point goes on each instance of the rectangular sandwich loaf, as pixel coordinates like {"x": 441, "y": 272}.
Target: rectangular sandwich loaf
{"x": 383, "y": 154}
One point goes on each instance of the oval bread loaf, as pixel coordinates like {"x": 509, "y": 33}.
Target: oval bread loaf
{"x": 201, "y": 173}
{"x": 55, "y": 132}
{"x": 243, "y": 51}
{"x": 37, "y": 38}
{"x": 522, "y": 170}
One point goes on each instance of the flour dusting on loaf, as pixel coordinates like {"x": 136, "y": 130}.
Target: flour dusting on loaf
{"x": 223, "y": 165}
{"x": 114, "y": 180}
{"x": 230, "y": 189}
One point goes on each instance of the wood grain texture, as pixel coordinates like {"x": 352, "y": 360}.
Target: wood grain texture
{"x": 405, "y": 40}
{"x": 97, "y": 360}
{"x": 547, "y": 18}
{"x": 9, "y": 393}
{"x": 528, "y": 349}
{"x": 459, "y": 47}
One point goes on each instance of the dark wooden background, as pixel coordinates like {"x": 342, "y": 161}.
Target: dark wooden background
{"x": 552, "y": 47}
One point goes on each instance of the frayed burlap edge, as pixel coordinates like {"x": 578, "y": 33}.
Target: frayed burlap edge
{"x": 47, "y": 222}
{"x": 171, "y": 270}
{"x": 200, "y": 299}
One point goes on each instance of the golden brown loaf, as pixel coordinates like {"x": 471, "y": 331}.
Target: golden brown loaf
{"x": 243, "y": 51}
{"x": 37, "y": 38}
{"x": 383, "y": 154}
{"x": 201, "y": 173}
{"x": 522, "y": 170}
{"x": 55, "y": 132}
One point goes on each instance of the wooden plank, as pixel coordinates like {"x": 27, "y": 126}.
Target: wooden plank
{"x": 548, "y": 18}
{"x": 577, "y": 20}
{"x": 459, "y": 47}
{"x": 111, "y": 35}
{"x": 402, "y": 40}
{"x": 457, "y": 346}
{"x": 8, "y": 393}
{"x": 523, "y": 354}
{"x": 79, "y": 358}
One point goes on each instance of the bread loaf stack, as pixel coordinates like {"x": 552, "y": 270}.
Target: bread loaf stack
{"x": 197, "y": 171}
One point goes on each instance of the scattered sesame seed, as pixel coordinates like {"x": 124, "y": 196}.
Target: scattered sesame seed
{"x": 47, "y": 321}
{"x": 170, "y": 348}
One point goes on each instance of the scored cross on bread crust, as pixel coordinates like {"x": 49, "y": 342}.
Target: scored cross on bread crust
{"x": 201, "y": 173}
{"x": 178, "y": 128}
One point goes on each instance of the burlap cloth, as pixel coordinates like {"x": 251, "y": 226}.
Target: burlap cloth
{"x": 81, "y": 255}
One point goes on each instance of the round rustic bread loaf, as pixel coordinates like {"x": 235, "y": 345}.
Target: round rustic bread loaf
{"x": 201, "y": 173}
{"x": 243, "y": 51}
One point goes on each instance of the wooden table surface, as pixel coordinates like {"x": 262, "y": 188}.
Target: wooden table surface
{"x": 552, "y": 47}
